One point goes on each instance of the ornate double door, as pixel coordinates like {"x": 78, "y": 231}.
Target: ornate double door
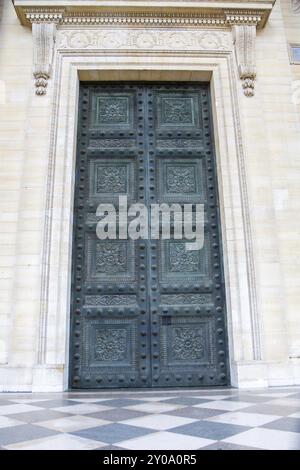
{"x": 146, "y": 313}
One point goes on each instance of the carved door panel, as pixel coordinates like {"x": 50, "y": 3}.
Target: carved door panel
{"x": 145, "y": 313}
{"x": 188, "y": 320}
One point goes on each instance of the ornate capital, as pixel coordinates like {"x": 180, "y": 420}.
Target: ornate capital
{"x": 151, "y": 12}
{"x": 244, "y": 36}
{"x": 43, "y": 33}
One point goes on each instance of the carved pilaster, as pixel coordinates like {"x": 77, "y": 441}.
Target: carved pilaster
{"x": 244, "y": 36}
{"x": 43, "y": 33}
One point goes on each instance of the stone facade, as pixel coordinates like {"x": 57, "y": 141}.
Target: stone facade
{"x": 244, "y": 50}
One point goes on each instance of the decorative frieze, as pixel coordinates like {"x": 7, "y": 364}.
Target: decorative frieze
{"x": 150, "y": 39}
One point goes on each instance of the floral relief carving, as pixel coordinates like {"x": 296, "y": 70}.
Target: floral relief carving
{"x": 111, "y": 257}
{"x": 187, "y": 343}
{"x": 185, "y": 299}
{"x": 114, "y": 299}
{"x": 110, "y": 344}
{"x": 179, "y": 143}
{"x": 209, "y": 41}
{"x": 182, "y": 260}
{"x": 112, "y": 143}
{"x": 177, "y": 111}
{"x": 111, "y": 179}
{"x": 113, "y": 111}
{"x": 79, "y": 40}
{"x": 181, "y": 179}
{"x": 151, "y": 39}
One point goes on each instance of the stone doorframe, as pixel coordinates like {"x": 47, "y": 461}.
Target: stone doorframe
{"x": 156, "y": 53}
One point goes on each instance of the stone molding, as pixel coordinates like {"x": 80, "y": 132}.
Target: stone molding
{"x": 156, "y": 19}
{"x": 176, "y": 40}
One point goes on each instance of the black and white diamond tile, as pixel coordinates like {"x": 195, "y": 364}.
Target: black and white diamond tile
{"x": 188, "y": 419}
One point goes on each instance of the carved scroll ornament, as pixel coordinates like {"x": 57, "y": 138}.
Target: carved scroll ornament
{"x": 43, "y": 46}
{"x": 244, "y": 40}
{"x": 43, "y": 33}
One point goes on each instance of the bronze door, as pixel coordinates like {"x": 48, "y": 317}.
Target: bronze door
{"x": 146, "y": 313}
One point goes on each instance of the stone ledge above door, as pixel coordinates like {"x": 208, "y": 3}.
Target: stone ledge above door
{"x": 242, "y": 17}
{"x": 154, "y": 13}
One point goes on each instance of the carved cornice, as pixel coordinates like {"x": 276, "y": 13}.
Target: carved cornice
{"x": 144, "y": 19}
{"x": 152, "y": 13}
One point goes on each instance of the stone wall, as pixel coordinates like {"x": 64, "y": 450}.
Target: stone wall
{"x": 272, "y": 138}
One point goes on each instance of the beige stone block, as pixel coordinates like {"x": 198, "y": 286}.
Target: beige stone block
{"x": 23, "y": 357}
{"x": 5, "y": 285}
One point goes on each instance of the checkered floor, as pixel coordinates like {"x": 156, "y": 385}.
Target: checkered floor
{"x": 169, "y": 419}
